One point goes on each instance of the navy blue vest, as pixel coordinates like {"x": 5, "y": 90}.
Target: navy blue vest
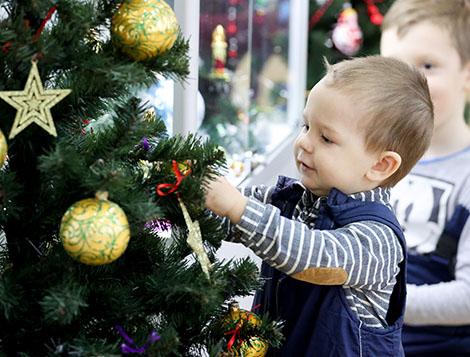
{"x": 433, "y": 268}
{"x": 318, "y": 319}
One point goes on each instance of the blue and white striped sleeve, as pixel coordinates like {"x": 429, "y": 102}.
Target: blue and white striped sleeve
{"x": 260, "y": 193}
{"x": 368, "y": 251}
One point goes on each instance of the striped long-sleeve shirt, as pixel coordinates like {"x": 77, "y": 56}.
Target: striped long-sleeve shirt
{"x": 368, "y": 251}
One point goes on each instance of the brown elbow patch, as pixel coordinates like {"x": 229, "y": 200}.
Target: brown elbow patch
{"x": 322, "y": 276}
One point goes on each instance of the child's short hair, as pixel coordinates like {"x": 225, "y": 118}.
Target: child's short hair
{"x": 452, "y": 15}
{"x": 395, "y": 106}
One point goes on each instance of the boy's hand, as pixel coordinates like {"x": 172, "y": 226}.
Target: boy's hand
{"x": 225, "y": 200}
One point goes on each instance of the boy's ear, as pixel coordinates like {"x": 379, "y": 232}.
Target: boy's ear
{"x": 387, "y": 164}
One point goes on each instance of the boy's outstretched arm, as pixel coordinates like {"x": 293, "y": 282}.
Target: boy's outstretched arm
{"x": 225, "y": 200}
{"x": 293, "y": 247}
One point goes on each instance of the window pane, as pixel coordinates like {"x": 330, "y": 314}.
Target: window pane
{"x": 243, "y": 77}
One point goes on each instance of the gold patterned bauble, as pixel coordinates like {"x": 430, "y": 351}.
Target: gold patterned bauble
{"x": 241, "y": 316}
{"x": 143, "y": 29}
{"x": 3, "y": 148}
{"x": 95, "y": 231}
{"x": 33, "y": 104}
{"x": 255, "y": 348}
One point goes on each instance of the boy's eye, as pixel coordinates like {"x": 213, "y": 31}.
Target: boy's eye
{"x": 427, "y": 66}
{"x": 326, "y": 140}
{"x": 305, "y": 126}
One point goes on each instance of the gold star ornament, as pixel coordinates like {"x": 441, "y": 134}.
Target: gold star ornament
{"x": 33, "y": 104}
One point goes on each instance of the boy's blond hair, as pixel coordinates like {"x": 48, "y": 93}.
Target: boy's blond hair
{"x": 451, "y": 15}
{"x": 394, "y": 106}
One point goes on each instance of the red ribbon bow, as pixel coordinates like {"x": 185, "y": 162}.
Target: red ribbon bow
{"x": 235, "y": 333}
{"x": 164, "y": 189}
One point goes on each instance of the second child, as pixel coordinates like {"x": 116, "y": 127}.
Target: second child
{"x": 433, "y": 202}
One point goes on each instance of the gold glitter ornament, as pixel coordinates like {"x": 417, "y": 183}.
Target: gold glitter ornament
{"x": 33, "y": 104}
{"x": 194, "y": 240}
{"x": 95, "y": 231}
{"x": 143, "y": 29}
{"x": 3, "y": 148}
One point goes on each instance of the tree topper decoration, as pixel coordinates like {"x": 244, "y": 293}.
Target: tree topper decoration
{"x": 33, "y": 104}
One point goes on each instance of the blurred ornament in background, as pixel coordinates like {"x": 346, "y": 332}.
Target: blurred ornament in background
{"x": 347, "y": 35}
{"x": 143, "y": 29}
{"x": 219, "y": 53}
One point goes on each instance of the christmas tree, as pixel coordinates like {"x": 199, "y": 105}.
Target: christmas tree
{"x": 108, "y": 248}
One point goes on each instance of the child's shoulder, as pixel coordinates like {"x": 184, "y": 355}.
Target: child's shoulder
{"x": 454, "y": 165}
{"x": 447, "y": 176}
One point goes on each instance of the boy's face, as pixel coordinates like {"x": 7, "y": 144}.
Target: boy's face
{"x": 429, "y": 48}
{"x": 330, "y": 150}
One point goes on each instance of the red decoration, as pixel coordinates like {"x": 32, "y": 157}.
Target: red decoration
{"x": 218, "y": 64}
{"x": 44, "y": 22}
{"x": 319, "y": 14}
{"x": 235, "y": 332}
{"x": 164, "y": 189}
{"x": 374, "y": 13}
{"x": 85, "y": 122}
{"x": 232, "y": 28}
{"x": 6, "y": 46}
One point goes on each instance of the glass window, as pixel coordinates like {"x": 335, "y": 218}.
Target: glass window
{"x": 243, "y": 78}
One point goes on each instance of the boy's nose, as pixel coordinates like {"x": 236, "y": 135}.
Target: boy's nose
{"x": 306, "y": 144}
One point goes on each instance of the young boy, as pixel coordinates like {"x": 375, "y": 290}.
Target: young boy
{"x": 333, "y": 252}
{"x": 433, "y": 202}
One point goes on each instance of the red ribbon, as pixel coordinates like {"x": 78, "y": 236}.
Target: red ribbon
{"x": 6, "y": 46}
{"x": 164, "y": 189}
{"x": 319, "y": 14}
{"x": 235, "y": 332}
{"x": 44, "y": 22}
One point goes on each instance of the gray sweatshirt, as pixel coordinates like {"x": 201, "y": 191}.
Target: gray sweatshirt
{"x": 425, "y": 201}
